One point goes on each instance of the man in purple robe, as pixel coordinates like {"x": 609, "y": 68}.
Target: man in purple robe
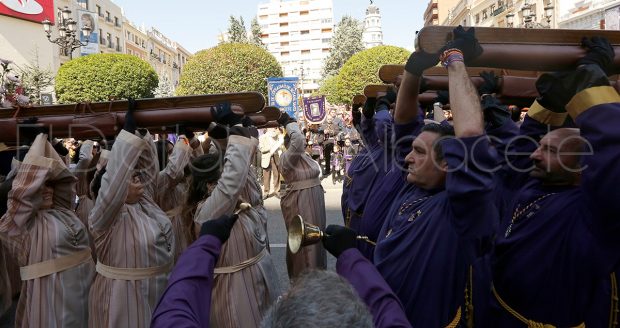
{"x": 559, "y": 237}
{"x": 432, "y": 233}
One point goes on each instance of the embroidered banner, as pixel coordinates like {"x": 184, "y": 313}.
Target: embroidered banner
{"x": 314, "y": 109}
{"x": 283, "y": 94}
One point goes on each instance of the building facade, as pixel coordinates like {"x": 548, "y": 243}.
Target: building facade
{"x": 591, "y": 15}
{"x": 298, "y": 33}
{"x": 136, "y": 40}
{"x": 437, "y": 11}
{"x": 373, "y": 33}
{"x": 500, "y": 13}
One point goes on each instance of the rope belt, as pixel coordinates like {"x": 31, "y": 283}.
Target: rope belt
{"x": 238, "y": 267}
{"x": 132, "y": 273}
{"x": 59, "y": 264}
{"x": 175, "y": 211}
{"x": 349, "y": 213}
{"x": 455, "y": 322}
{"x": 304, "y": 184}
{"x": 529, "y": 323}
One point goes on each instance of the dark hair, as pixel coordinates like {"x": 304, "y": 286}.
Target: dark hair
{"x": 76, "y": 155}
{"x": 205, "y": 169}
{"x": 162, "y": 152}
{"x": 95, "y": 185}
{"x": 443, "y": 130}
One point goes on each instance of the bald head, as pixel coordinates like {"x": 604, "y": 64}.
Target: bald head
{"x": 557, "y": 159}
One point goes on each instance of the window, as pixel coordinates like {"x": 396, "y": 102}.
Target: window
{"x": 304, "y": 32}
{"x": 284, "y": 53}
{"x": 326, "y": 40}
{"x": 326, "y": 21}
{"x": 484, "y": 14}
{"x": 263, "y": 16}
{"x": 284, "y": 34}
{"x": 116, "y": 22}
{"x": 107, "y": 17}
{"x": 283, "y": 14}
{"x": 83, "y": 4}
{"x": 284, "y": 44}
{"x": 99, "y": 11}
{"x": 326, "y": 30}
{"x": 477, "y": 18}
{"x": 304, "y": 13}
{"x": 101, "y": 40}
{"x": 283, "y": 24}
{"x": 305, "y": 52}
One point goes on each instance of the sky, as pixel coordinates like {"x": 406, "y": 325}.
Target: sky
{"x": 195, "y": 24}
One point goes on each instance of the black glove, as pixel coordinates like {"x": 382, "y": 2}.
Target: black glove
{"x": 369, "y": 107}
{"x": 553, "y": 94}
{"x": 219, "y": 227}
{"x": 338, "y": 239}
{"x": 495, "y": 114}
{"x": 130, "y": 121}
{"x": 490, "y": 85}
{"x": 247, "y": 122}
{"x": 224, "y": 115}
{"x": 418, "y": 62}
{"x": 218, "y": 132}
{"x": 384, "y": 103}
{"x": 253, "y": 131}
{"x": 600, "y": 52}
{"x": 285, "y": 119}
{"x": 466, "y": 42}
{"x": 443, "y": 97}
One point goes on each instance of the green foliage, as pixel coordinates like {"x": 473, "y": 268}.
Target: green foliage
{"x": 359, "y": 71}
{"x": 346, "y": 42}
{"x": 236, "y": 30}
{"x": 35, "y": 79}
{"x": 229, "y": 67}
{"x": 257, "y": 31}
{"x": 100, "y": 77}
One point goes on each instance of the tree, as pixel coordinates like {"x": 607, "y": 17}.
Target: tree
{"x": 100, "y": 77}
{"x": 229, "y": 67}
{"x": 35, "y": 79}
{"x": 257, "y": 31}
{"x": 164, "y": 88}
{"x": 360, "y": 70}
{"x": 236, "y": 30}
{"x": 346, "y": 42}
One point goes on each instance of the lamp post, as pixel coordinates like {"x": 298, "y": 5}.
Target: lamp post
{"x": 529, "y": 17}
{"x": 68, "y": 37}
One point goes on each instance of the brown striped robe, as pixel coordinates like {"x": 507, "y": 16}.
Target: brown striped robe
{"x": 297, "y": 165}
{"x": 171, "y": 196}
{"x": 129, "y": 236}
{"x": 240, "y": 299}
{"x": 85, "y": 204}
{"x": 34, "y": 235}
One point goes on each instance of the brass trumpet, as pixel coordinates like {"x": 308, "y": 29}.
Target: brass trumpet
{"x": 301, "y": 234}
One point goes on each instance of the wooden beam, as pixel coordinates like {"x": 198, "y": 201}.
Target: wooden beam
{"x": 249, "y": 102}
{"x": 359, "y": 100}
{"x": 522, "y": 49}
{"x": 376, "y": 90}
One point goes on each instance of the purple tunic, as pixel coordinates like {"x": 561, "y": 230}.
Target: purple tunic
{"x": 431, "y": 237}
{"x": 187, "y": 299}
{"x": 556, "y": 253}
{"x": 388, "y": 187}
{"x": 372, "y": 168}
{"x": 384, "y": 306}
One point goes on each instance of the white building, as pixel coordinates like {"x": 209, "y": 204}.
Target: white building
{"x": 373, "y": 34}
{"x": 590, "y": 15}
{"x": 298, "y": 33}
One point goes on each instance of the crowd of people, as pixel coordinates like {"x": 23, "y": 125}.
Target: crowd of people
{"x": 480, "y": 216}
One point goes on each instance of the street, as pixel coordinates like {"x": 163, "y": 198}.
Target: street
{"x": 277, "y": 230}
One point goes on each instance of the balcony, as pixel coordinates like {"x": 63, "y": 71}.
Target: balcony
{"x": 111, "y": 45}
{"x": 431, "y": 5}
{"x": 109, "y": 20}
{"x": 498, "y": 11}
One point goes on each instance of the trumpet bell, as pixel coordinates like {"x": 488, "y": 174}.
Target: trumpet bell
{"x": 302, "y": 234}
